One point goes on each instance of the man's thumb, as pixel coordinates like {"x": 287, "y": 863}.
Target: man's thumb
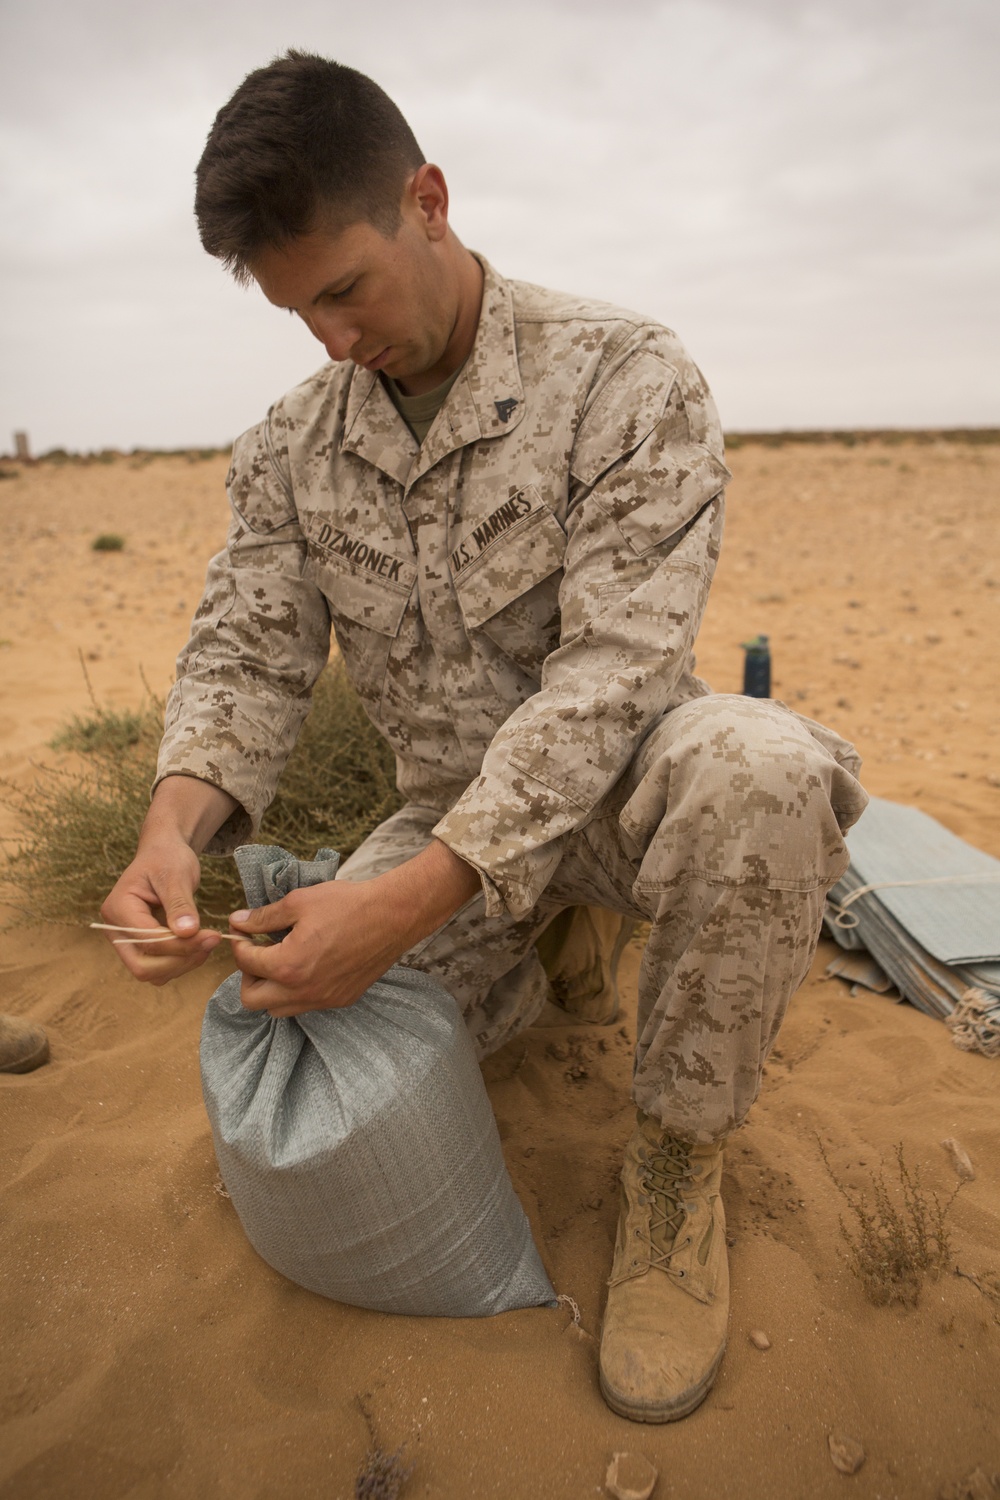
{"x": 180, "y": 912}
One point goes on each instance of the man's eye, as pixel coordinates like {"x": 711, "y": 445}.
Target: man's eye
{"x": 344, "y": 291}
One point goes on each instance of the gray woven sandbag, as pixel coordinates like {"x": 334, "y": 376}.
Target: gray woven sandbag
{"x": 358, "y": 1145}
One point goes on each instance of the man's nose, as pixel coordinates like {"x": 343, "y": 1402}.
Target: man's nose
{"x": 336, "y": 334}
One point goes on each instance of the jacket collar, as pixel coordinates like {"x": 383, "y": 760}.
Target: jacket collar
{"x": 486, "y": 401}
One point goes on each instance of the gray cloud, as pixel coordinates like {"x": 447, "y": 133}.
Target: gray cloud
{"x": 808, "y": 193}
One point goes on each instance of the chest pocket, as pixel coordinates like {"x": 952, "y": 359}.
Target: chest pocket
{"x": 510, "y": 591}
{"x": 367, "y": 611}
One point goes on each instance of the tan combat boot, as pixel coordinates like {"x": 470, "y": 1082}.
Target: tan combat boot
{"x": 668, "y": 1305}
{"x": 22, "y": 1045}
{"x": 580, "y": 951}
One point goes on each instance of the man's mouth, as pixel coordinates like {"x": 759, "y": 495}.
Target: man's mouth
{"x": 376, "y": 364}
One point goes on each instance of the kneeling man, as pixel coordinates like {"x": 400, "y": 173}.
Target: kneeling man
{"x": 508, "y": 503}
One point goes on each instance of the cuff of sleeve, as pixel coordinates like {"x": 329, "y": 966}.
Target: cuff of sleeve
{"x": 496, "y": 905}
{"x": 237, "y": 829}
{"x": 514, "y": 854}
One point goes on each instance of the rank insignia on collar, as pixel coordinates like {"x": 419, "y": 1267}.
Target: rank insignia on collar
{"x": 504, "y": 408}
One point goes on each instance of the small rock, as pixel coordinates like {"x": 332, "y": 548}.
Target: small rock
{"x": 959, "y": 1158}
{"x": 846, "y": 1454}
{"x": 975, "y": 1486}
{"x": 578, "y": 1335}
{"x": 759, "y": 1339}
{"x": 630, "y": 1477}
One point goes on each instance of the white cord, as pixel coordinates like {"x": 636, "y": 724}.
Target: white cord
{"x": 878, "y": 885}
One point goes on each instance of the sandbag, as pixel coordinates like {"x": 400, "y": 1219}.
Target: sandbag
{"x": 358, "y": 1145}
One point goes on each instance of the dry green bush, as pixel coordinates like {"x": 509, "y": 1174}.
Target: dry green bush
{"x": 81, "y": 819}
{"x": 108, "y": 731}
{"x": 896, "y": 1237}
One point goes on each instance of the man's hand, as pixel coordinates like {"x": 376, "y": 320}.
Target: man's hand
{"x": 163, "y": 878}
{"x": 345, "y": 934}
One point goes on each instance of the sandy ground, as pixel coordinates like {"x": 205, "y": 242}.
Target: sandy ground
{"x": 146, "y": 1350}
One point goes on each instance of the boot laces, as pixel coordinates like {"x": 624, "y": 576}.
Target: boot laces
{"x": 664, "y": 1171}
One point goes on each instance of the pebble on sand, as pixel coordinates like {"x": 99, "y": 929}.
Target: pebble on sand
{"x": 759, "y": 1338}
{"x": 975, "y": 1486}
{"x": 959, "y": 1158}
{"x": 847, "y": 1454}
{"x": 630, "y": 1477}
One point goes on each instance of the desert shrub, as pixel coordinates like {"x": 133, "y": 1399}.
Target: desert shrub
{"x": 340, "y": 780}
{"x": 108, "y": 731}
{"x": 895, "y": 1237}
{"x": 850, "y": 439}
{"x": 108, "y": 541}
{"x": 81, "y": 819}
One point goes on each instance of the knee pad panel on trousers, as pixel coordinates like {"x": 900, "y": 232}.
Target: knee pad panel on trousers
{"x": 741, "y": 791}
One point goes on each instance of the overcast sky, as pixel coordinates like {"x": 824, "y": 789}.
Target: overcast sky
{"x": 808, "y": 193}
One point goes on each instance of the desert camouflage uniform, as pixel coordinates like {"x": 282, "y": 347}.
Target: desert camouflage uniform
{"x": 516, "y": 601}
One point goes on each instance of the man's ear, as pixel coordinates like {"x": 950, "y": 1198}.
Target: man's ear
{"x": 426, "y": 194}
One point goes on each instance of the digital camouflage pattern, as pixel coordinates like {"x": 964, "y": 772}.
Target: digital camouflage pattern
{"x": 724, "y": 833}
{"x": 516, "y": 601}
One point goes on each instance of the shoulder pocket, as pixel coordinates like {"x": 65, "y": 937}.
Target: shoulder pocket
{"x": 623, "y": 415}
{"x": 509, "y": 564}
{"x": 655, "y": 493}
{"x": 695, "y": 477}
{"x": 258, "y": 493}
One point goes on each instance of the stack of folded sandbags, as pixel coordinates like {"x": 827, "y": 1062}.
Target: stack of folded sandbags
{"x": 926, "y": 907}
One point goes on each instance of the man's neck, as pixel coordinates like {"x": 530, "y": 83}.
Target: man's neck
{"x": 469, "y": 282}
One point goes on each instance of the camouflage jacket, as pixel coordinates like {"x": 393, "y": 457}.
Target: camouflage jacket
{"x": 515, "y": 600}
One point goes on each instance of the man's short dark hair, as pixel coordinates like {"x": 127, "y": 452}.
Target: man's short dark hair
{"x": 301, "y": 141}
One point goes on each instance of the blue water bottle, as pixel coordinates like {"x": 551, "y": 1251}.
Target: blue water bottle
{"x": 757, "y": 668}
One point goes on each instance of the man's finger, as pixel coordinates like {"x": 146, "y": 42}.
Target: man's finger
{"x": 262, "y": 961}
{"x": 158, "y": 968}
{"x": 264, "y": 918}
{"x": 175, "y": 898}
{"x": 262, "y": 994}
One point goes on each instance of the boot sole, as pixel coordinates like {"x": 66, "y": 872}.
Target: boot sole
{"x": 671, "y": 1411}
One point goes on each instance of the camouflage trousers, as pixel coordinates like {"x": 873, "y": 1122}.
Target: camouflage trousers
{"x": 724, "y": 834}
